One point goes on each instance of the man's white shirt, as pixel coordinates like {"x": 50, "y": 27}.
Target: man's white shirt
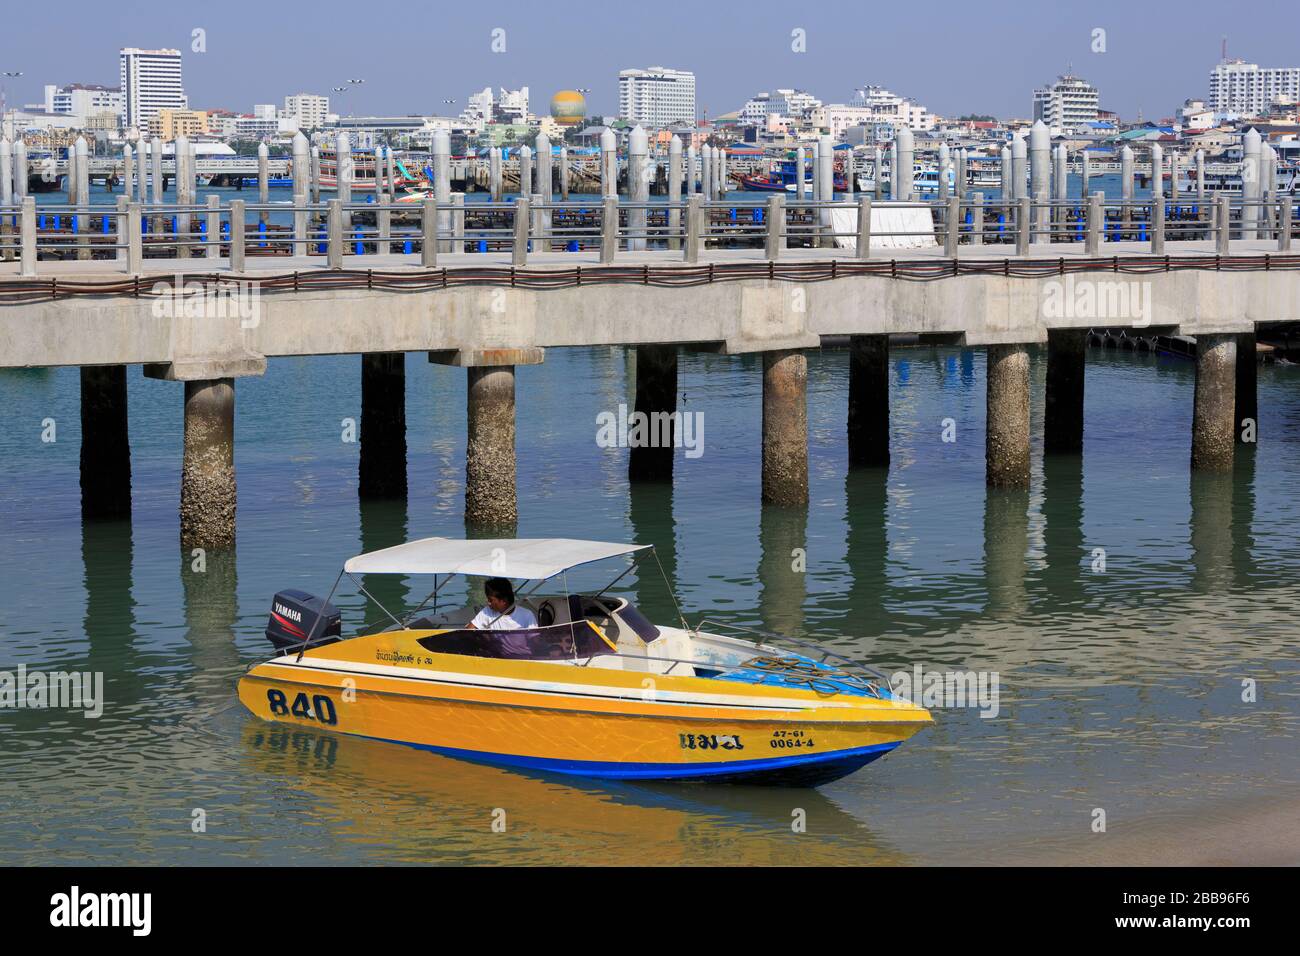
{"x": 512, "y": 619}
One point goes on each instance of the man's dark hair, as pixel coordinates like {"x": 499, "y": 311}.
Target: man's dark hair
{"x": 499, "y": 588}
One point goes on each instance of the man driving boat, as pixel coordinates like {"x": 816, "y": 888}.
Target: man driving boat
{"x": 502, "y": 614}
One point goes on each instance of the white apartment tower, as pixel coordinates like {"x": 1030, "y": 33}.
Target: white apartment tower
{"x": 656, "y": 97}
{"x": 308, "y": 109}
{"x": 1248, "y": 89}
{"x": 1069, "y": 103}
{"x": 151, "y": 81}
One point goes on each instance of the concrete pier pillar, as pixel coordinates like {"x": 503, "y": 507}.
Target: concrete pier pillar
{"x": 525, "y": 170}
{"x": 1246, "y": 399}
{"x": 1040, "y": 172}
{"x": 1063, "y": 425}
{"x": 20, "y": 169}
{"x": 785, "y": 427}
{"x": 906, "y": 143}
{"x": 1215, "y": 402}
{"x": 656, "y": 395}
{"x": 869, "y": 400}
{"x": 105, "y": 444}
{"x": 638, "y": 186}
{"x": 381, "y": 471}
{"x": 1006, "y": 187}
{"x": 495, "y": 180}
{"x": 944, "y": 162}
{"x": 608, "y": 163}
{"x": 1251, "y": 190}
{"x": 674, "y": 192}
{"x": 1006, "y": 437}
{"x": 208, "y": 465}
{"x": 544, "y": 183}
{"x": 442, "y": 185}
{"x": 1019, "y": 169}
{"x": 490, "y": 450}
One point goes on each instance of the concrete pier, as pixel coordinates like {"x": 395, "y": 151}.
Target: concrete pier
{"x": 490, "y": 449}
{"x": 656, "y": 395}
{"x": 1006, "y": 437}
{"x": 1063, "y": 424}
{"x": 105, "y": 443}
{"x": 1214, "y": 408}
{"x": 208, "y": 465}
{"x": 869, "y": 400}
{"x": 381, "y": 471}
{"x": 1246, "y": 398}
{"x": 785, "y": 427}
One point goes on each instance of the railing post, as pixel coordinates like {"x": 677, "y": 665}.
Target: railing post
{"x": 214, "y": 228}
{"x": 519, "y": 248}
{"x": 1023, "y": 212}
{"x": 27, "y": 223}
{"x": 608, "y": 229}
{"x": 952, "y": 225}
{"x": 537, "y": 223}
{"x": 134, "y": 239}
{"x": 1223, "y": 231}
{"x": 775, "y": 227}
{"x": 1096, "y": 216}
{"x": 429, "y": 234}
{"x": 864, "y": 225}
{"x": 301, "y": 245}
{"x": 1284, "y": 226}
{"x": 334, "y": 234}
{"x": 119, "y": 253}
{"x": 458, "y": 222}
{"x": 977, "y": 220}
{"x": 1157, "y": 221}
{"x": 237, "y": 214}
{"x": 385, "y": 218}
{"x": 694, "y": 210}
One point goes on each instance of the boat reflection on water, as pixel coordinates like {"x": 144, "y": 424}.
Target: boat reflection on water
{"x": 397, "y": 804}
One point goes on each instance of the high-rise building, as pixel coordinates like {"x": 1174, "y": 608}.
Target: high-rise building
{"x": 151, "y": 81}
{"x": 1249, "y": 89}
{"x": 656, "y": 97}
{"x": 1069, "y": 103}
{"x": 308, "y": 109}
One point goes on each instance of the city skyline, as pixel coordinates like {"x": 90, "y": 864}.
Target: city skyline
{"x": 529, "y": 52}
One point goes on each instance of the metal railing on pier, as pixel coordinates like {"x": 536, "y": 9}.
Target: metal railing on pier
{"x": 345, "y": 234}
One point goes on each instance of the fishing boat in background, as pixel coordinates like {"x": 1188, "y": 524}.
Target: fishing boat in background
{"x": 592, "y": 689}
{"x": 782, "y": 177}
{"x": 363, "y": 171}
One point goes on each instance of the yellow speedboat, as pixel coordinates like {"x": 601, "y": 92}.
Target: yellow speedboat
{"x": 593, "y": 689}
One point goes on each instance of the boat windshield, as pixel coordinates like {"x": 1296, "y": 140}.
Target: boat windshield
{"x": 581, "y": 639}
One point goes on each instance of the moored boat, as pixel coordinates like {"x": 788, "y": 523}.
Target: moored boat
{"x": 588, "y": 686}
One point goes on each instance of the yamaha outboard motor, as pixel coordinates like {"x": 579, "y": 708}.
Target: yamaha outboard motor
{"x": 295, "y": 615}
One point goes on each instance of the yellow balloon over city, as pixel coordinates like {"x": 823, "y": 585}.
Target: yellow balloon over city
{"x": 568, "y": 107}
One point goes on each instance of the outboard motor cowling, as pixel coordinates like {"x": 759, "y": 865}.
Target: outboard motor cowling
{"x": 295, "y": 615}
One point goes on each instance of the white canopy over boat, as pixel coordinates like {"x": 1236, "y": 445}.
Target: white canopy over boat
{"x": 532, "y": 559}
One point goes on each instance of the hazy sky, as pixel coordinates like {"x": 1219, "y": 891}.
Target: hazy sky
{"x": 979, "y": 56}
